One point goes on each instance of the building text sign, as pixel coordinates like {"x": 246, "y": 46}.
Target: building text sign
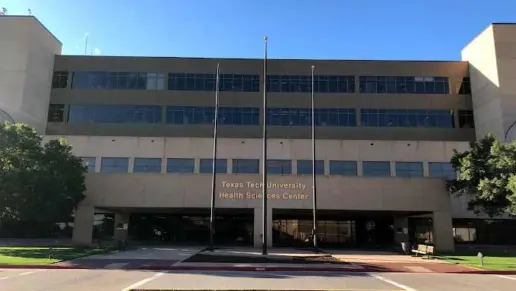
{"x": 253, "y": 190}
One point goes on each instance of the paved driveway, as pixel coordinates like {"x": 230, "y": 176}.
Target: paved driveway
{"x": 143, "y": 256}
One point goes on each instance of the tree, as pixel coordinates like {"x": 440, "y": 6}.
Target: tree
{"x": 39, "y": 183}
{"x": 487, "y": 175}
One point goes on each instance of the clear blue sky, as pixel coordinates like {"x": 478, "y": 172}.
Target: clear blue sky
{"x": 322, "y": 29}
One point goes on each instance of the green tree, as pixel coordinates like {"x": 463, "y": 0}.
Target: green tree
{"x": 39, "y": 183}
{"x": 487, "y": 175}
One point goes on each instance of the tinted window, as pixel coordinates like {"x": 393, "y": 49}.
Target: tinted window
{"x": 147, "y": 165}
{"x": 466, "y": 119}
{"x": 376, "y": 169}
{"x": 346, "y": 168}
{"x": 206, "y": 115}
{"x": 281, "y": 167}
{"x": 303, "y": 84}
{"x": 60, "y": 80}
{"x": 400, "y": 85}
{"x": 304, "y": 167}
{"x": 407, "y": 118}
{"x": 303, "y": 116}
{"x": 114, "y": 165}
{"x": 207, "y": 82}
{"x": 206, "y": 166}
{"x": 175, "y": 165}
{"x": 246, "y": 166}
{"x": 90, "y": 162}
{"x": 56, "y": 113}
{"x": 118, "y": 80}
{"x": 464, "y": 86}
{"x": 114, "y": 114}
{"x": 409, "y": 169}
{"x": 442, "y": 170}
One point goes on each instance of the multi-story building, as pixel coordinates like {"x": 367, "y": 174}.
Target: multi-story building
{"x": 385, "y": 132}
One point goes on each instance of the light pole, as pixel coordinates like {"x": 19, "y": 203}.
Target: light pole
{"x": 214, "y": 163}
{"x": 314, "y": 179}
{"x": 264, "y": 155}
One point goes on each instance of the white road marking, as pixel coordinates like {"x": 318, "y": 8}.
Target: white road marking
{"x": 506, "y": 277}
{"x": 22, "y": 274}
{"x": 399, "y": 285}
{"x": 144, "y": 281}
{"x": 418, "y": 269}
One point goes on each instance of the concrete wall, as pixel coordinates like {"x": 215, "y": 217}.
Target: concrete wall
{"x": 26, "y": 67}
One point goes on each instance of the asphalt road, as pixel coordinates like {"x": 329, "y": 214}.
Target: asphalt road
{"x": 123, "y": 280}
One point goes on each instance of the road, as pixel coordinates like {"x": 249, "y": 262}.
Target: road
{"x": 124, "y": 280}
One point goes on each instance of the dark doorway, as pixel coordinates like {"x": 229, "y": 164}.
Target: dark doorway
{"x": 192, "y": 228}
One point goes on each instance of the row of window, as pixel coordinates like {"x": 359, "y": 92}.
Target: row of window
{"x": 274, "y": 167}
{"x": 251, "y": 83}
{"x": 182, "y": 115}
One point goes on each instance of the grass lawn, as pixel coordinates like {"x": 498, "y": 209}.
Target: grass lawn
{"x": 490, "y": 262}
{"x": 40, "y": 255}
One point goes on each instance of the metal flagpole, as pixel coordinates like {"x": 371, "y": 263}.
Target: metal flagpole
{"x": 214, "y": 163}
{"x": 264, "y": 156}
{"x": 314, "y": 180}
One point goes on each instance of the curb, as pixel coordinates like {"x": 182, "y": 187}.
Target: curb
{"x": 257, "y": 269}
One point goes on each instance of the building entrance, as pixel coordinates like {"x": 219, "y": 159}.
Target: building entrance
{"x": 193, "y": 227}
{"x": 334, "y": 229}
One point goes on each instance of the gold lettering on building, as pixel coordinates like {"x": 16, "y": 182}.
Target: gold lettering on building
{"x": 251, "y": 190}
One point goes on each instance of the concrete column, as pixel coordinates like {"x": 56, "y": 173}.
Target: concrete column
{"x": 258, "y": 227}
{"x": 443, "y": 231}
{"x": 83, "y": 225}
{"x": 121, "y": 220}
{"x": 401, "y": 229}
{"x": 426, "y": 169}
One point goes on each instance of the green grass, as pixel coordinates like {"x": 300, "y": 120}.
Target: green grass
{"x": 490, "y": 262}
{"x": 40, "y": 255}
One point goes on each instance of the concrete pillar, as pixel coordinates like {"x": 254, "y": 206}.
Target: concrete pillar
{"x": 83, "y": 225}
{"x": 401, "y": 230}
{"x": 443, "y": 231}
{"x": 121, "y": 226}
{"x": 258, "y": 228}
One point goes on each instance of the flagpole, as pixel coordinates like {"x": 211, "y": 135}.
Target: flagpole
{"x": 314, "y": 179}
{"x": 214, "y": 162}
{"x": 264, "y": 155}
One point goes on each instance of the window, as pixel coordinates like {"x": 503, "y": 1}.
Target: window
{"x": 407, "y": 118}
{"x": 114, "y": 165}
{"x": 60, "y": 80}
{"x": 114, "y": 114}
{"x": 345, "y": 168}
{"x": 442, "y": 170}
{"x": 400, "y": 85}
{"x": 279, "y": 167}
{"x": 409, "y": 169}
{"x": 90, "y": 162}
{"x": 206, "y": 166}
{"x": 118, "y": 81}
{"x": 303, "y": 84}
{"x": 147, "y": 165}
{"x": 56, "y": 113}
{"x": 466, "y": 119}
{"x": 376, "y": 169}
{"x": 303, "y": 116}
{"x": 464, "y": 86}
{"x": 465, "y": 234}
{"x": 304, "y": 167}
{"x": 207, "y": 82}
{"x": 206, "y": 115}
{"x": 180, "y": 165}
{"x": 246, "y": 166}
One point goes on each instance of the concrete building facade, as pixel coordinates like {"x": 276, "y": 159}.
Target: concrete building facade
{"x": 385, "y": 132}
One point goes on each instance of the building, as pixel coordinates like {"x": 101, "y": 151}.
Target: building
{"x": 385, "y": 131}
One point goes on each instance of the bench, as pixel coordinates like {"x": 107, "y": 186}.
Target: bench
{"x": 424, "y": 250}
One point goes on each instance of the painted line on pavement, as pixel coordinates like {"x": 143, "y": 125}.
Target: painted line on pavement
{"x": 21, "y": 274}
{"x": 399, "y": 285}
{"x": 144, "y": 281}
{"x": 506, "y": 277}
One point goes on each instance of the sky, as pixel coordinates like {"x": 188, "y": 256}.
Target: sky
{"x": 297, "y": 29}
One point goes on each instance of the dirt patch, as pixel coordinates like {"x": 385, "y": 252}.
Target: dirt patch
{"x": 206, "y": 258}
